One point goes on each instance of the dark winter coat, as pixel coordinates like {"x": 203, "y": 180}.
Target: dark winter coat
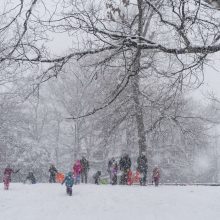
{"x": 53, "y": 171}
{"x": 97, "y": 176}
{"x": 110, "y": 163}
{"x": 31, "y": 178}
{"x": 142, "y": 164}
{"x": 125, "y": 163}
{"x": 84, "y": 165}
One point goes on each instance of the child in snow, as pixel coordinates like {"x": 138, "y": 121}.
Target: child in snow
{"x": 69, "y": 181}
{"x": 7, "y": 176}
{"x": 156, "y": 176}
{"x": 77, "y": 171}
{"x": 97, "y": 176}
{"x": 31, "y": 178}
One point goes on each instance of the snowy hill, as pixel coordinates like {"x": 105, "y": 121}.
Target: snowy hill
{"x": 104, "y": 202}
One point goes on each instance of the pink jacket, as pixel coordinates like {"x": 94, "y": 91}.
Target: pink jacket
{"x": 77, "y": 168}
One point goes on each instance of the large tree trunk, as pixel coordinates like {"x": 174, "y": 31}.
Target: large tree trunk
{"x": 57, "y": 143}
{"x": 129, "y": 136}
{"x": 76, "y": 146}
{"x": 136, "y": 86}
{"x": 139, "y": 117}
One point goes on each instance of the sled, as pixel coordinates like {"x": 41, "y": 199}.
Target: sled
{"x": 103, "y": 181}
{"x": 60, "y": 177}
{"x": 133, "y": 178}
{"x": 130, "y": 180}
{"x": 136, "y": 178}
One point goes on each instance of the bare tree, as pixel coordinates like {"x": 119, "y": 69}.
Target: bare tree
{"x": 130, "y": 43}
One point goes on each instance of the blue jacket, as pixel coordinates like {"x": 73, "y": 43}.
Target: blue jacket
{"x": 69, "y": 181}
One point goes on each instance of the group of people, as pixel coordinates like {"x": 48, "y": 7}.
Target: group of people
{"x": 8, "y": 173}
{"x": 79, "y": 172}
{"x": 124, "y": 165}
{"x": 81, "y": 168}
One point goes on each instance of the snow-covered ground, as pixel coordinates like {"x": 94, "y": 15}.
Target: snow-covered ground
{"x": 105, "y": 202}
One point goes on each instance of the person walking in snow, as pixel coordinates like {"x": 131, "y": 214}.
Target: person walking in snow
{"x": 112, "y": 170}
{"x": 77, "y": 168}
{"x": 110, "y": 162}
{"x": 7, "y": 176}
{"x": 156, "y": 176}
{"x": 69, "y": 181}
{"x": 53, "y": 171}
{"x": 96, "y": 177}
{"x": 85, "y": 169}
{"x": 31, "y": 178}
{"x": 125, "y": 166}
{"x": 142, "y": 168}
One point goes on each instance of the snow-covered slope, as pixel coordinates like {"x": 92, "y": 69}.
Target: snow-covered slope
{"x": 104, "y": 202}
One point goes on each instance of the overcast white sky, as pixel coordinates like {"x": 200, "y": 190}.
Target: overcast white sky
{"x": 212, "y": 77}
